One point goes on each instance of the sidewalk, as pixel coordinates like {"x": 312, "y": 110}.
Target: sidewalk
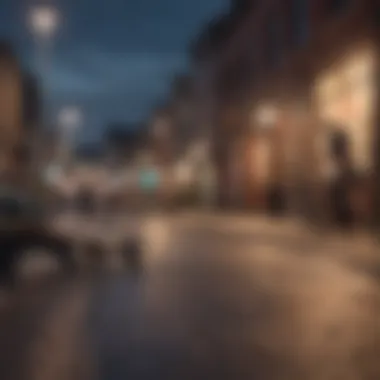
{"x": 253, "y": 218}
{"x": 359, "y": 249}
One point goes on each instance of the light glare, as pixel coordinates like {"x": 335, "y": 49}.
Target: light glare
{"x": 44, "y": 21}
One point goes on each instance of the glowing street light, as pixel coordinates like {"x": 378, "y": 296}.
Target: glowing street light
{"x": 183, "y": 172}
{"x": 53, "y": 174}
{"x": 265, "y": 116}
{"x": 44, "y": 21}
{"x": 70, "y": 118}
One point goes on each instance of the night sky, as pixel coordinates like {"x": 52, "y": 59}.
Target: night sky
{"x": 113, "y": 58}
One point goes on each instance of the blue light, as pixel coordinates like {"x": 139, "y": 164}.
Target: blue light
{"x": 149, "y": 180}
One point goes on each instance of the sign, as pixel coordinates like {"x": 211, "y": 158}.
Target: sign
{"x": 149, "y": 179}
{"x": 53, "y": 174}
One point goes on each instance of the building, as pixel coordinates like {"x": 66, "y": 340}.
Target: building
{"x": 31, "y": 119}
{"x": 181, "y": 113}
{"x": 20, "y": 108}
{"x": 162, "y": 135}
{"x": 188, "y": 139}
{"x": 32, "y": 102}
{"x": 123, "y": 141}
{"x": 217, "y": 92}
{"x": 11, "y": 109}
{"x": 286, "y": 79}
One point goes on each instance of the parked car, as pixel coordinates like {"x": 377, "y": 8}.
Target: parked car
{"x": 24, "y": 226}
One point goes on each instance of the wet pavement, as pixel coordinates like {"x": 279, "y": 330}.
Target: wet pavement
{"x": 217, "y": 298}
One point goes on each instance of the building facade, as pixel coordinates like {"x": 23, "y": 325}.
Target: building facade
{"x": 288, "y": 79}
{"x": 11, "y": 110}
{"x": 31, "y": 142}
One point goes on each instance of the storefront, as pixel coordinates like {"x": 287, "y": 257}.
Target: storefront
{"x": 345, "y": 98}
{"x": 235, "y": 174}
{"x": 204, "y": 176}
{"x": 259, "y": 155}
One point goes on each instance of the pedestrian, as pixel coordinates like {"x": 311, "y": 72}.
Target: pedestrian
{"x": 276, "y": 199}
{"x": 343, "y": 183}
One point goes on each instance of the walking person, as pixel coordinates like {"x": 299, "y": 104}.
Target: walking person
{"x": 343, "y": 182}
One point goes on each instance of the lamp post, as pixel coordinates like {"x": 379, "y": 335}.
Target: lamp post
{"x": 69, "y": 119}
{"x": 265, "y": 117}
{"x": 43, "y": 22}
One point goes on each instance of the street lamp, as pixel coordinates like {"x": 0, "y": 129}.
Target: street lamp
{"x": 69, "y": 120}
{"x": 44, "y": 21}
{"x": 265, "y": 116}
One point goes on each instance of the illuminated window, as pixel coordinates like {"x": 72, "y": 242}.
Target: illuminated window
{"x": 261, "y": 161}
{"x": 346, "y": 97}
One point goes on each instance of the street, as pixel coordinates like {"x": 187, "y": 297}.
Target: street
{"x": 219, "y": 297}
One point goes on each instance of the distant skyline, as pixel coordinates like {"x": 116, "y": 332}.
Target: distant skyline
{"x": 112, "y": 58}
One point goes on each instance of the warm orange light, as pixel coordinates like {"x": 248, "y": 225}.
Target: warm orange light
{"x": 265, "y": 116}
{"x": 345, "y": 99}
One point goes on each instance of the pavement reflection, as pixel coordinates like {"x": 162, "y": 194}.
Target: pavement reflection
{"x": 211, "y": 302}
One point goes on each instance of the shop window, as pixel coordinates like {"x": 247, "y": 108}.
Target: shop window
{"x": 334, "y": 7}
{"x": 300, "y": 21}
